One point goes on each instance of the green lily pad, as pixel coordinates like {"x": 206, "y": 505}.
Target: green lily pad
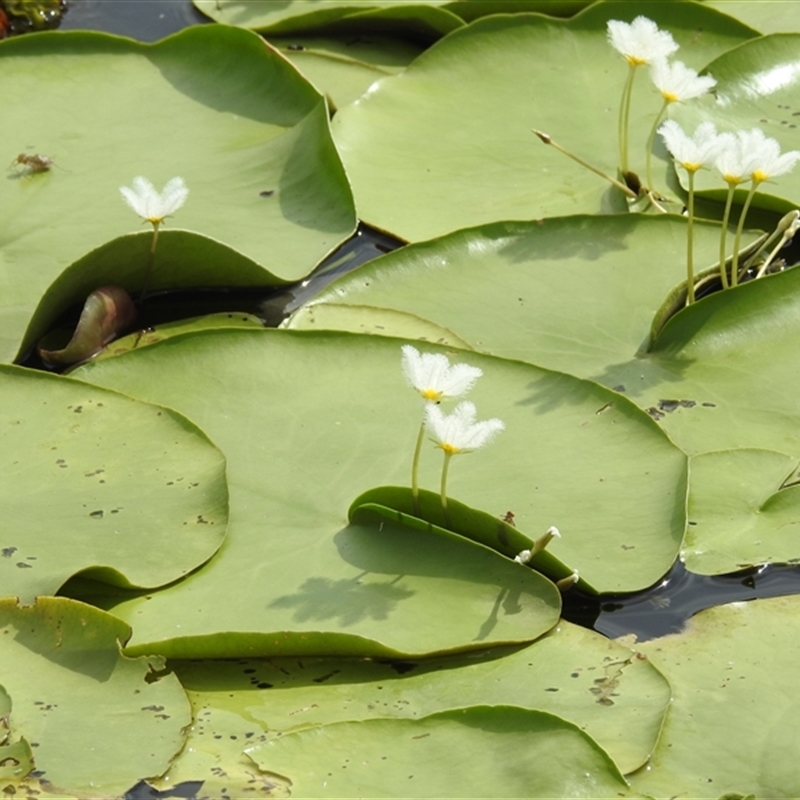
{"x": 769, "y": 16}
{"x": 579, "y": 294}
{"x": 343, "y": 69}
{"x": 744, "y": 513}
{"x": 93, "y": 480}
{"x": 183, "y": 259}
{"x": 424, "y": 20}
{"x": 397, "y": 503}
{"x": 264, "y": 178}
{"x": 503, "y": 752}
{"x": 602, "y": 687}
{"x": 158, "y": 333}
{"x": 98, "y": 722}
{"x": 452, "y": 134}
{"x": 757, "y": 87}
{"x": 733, "y": 669}
{"x": 308, "y": 422}
{"x": 373, "y": 320}
{"x": 16, "y": 758}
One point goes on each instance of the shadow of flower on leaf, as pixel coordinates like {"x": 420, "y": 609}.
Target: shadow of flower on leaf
{"x": 349, "y": 601}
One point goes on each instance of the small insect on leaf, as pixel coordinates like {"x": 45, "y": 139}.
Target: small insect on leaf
{"x": 34, "y": 162}
{"x": 509, "y": 519}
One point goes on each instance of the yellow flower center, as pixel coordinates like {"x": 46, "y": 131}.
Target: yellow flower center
{"x": 434, "y": 395}
{"x": 759, "y": 177}
{"x": 636, "y": 61}
{"x": 449, "y": 448}
{"x": 670, "y": 97}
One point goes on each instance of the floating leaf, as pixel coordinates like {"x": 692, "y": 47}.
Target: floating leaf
{"x": 452, "y": 133}
{"x": 308, "y": 422}
{"x": 397, "y": 503}
{"x": 733, "y": 669}
{"x": 618, "y": 698}
{"x": 503, "y": 752}
{"x": 742, "y": 511}
{"x": 263, "y": 175}
{"x": 93, "y": 480}
{"x": 97, "y": 721}
{"x": 757, "y": 87}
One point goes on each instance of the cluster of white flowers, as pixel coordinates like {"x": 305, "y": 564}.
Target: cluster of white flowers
{"x": 436, "y": 379}
{"x": 642, "y": 43}
{"x": 432, "y": 375}
{"x": 741, "y": 157}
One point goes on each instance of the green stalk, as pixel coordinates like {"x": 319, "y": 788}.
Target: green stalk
{"x": 447, "y": 457}
{"x": 738, "y": 239}
{"x": 151, "y": 258}
{"x": 624, "y": 117}
{"x": 690, "y": 243}
{"x": 650, "y": 140}
{"x": 725, "y": 217}
{"x": 415, "y": 468}
{"x": 547, "y": 139}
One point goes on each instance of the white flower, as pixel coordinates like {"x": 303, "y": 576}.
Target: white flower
{"x": 434, "y": 378}
{"x": 677, "y": 82}
{"x": 149, "y": 204}
{"x": 640, "y": 42}
{"x": 691, "y": 152}
{"x": 733, "y": 160}
{"x": 459, "y": 432}
{"x": 766, "y": 160}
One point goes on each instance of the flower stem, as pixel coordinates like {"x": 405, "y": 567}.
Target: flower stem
{"x": 547, "y": 139}
{"x": 415, "y": 468}
{"x": 624, "y": 117}
{"x": 447, "y": 457}
{"x": 723, "y": 236}
{"x": 151, "y": 257}
{"x": 650, "y": 140}
{"x": 738, "y": 239}
{"x": 690, "y": 243}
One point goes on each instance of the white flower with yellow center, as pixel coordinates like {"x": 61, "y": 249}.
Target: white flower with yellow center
{"x": 432, "y": 375}
{"x": 766, "y": 160}
{"x": 677, "y": 82}
{"x": 641, "y": 41}
{"x": 149, "y": 204}
{"x": 460, "y": 432}
{"x": 153, "y": 207}
{"x": 761, "y": 159}
{"x": 691, "y": 152}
